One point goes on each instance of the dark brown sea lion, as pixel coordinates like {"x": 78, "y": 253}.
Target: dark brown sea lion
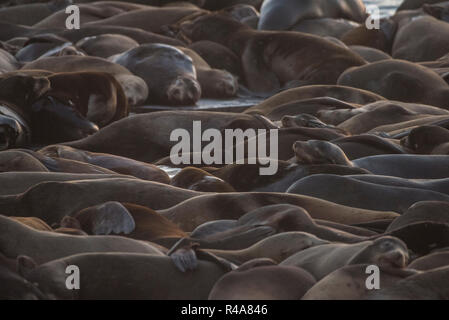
{"x": 324, "y": 259}
{"x": 423, "y": 39}
{"x": 284, "y": 14}
{"x": 380, "y": 39}
{"x": 155, "y": 276}
{"x": 218, "y": 56}
{"x": 167, "y": 71}
{"x": 45, "y": 246}
{"x": 73, "y": 196}
{"x": 134, "y": 87}
{"x": 19, "y": 182}
{"x": 96, "y": 95}
{"x": 199, "y": 180}
{"x": 263, "y": 283}
{"x": 264, "y": 69}
{"x": 117, "y": 164}
{"x": 370, "y": 54}
{"x": 399, "y": 80}
{"x": 428, "y": 140}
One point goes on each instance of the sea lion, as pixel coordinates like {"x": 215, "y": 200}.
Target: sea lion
{"x": 365, "y": 145}
{"x": 322, "y": 260}
{"x": 431, "y": 261}
{"x": 18, "y": 182}
{"x": 199, "y": 180}
{"x": 380, "y": 39}
{"x": 45, "y": 246}
{"x": 73, "y": 196}
{"x": 155, "y": 276}
{"x": 427, "y": 140}
{"x": 264, "y": 69}
{"x": 264, "y": 282}
{"x": 359, "y": 194}
{"x": 14, "y": 286}
{"x": 167, "y": 71}
{"x": 277, "y": 247}
{"x": 432, "y": 285}
{"x": 437, "y": 185}
{"x": 422, "y": 211}
{"x": 134, "y": 87}
{"x": 284, "y": 14}
{"x": 106, "y": 45}
{"x": 34, "y": 223}
{"x": 151, "y": 19}
{"x": 189, "y": 214}
{"x": 349, "y": 283}
{"x": 346, "y": 94}
{"x": 19, "y": 161}
{"x": 41, "y": 45}
{"x": 428, "y": 40}
{"x": 7, "y": 62}
{"x": 214, "y": 83}
{"x": 370, "y": 54}
{"x": 130, "y": 220}
{"x": 31, "y": 13}
{"x": 325, "y": 27}
{"x": 132, "y": 137}
{"x": 139, "y": 35}
{"x": 279, "y": 218}
{"x": 399, "y": 80}
{"x": 101, "y": 103}
{"x": 117, "y": 164}
{"x": 218, "y": 56}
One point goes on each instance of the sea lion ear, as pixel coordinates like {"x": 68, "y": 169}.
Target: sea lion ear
{"x": 25, "y": 265}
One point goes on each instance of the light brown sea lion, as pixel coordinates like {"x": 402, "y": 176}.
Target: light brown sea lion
{"x": 264, "y": 282}
{"x": 189, "y": 214}
{"x": 324, "y": 259}
{"x": 347, "y": 94}
{"x": 146, "y": 137}
{"x": 45, "y": 246}
{"x": 349, "y": 283}
{"x": 277, "y": 247}
{"x": 399, "y": 80}
{"x": 117, "y": 164}
{"x": 264, "y": 69}
{"x": 432, "y": 285}
{"x": 151, "y": 273}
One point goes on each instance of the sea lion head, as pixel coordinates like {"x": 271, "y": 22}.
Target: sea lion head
{"x": 58, "y": 122}
{"x": 388, "y": 252}
{"x": 10, "y": 133}
{"x": 319, "y": 152}
{"x": 184, "y": 91}
{"x": 22, "y": 90}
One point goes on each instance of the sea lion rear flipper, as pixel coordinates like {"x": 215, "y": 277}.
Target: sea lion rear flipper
{"x": 183, "y": 255}
{"x": 107, "y": 218}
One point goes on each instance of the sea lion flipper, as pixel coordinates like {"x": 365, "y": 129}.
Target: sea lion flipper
{"x": 183, "y": 255}
{"x": 108, "y": 218}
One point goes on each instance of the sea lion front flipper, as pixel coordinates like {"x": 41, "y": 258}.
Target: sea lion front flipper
{"x": 107, "y": 218}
